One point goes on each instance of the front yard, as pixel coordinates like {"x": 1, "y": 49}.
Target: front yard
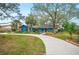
{"x": 21, "y": 45}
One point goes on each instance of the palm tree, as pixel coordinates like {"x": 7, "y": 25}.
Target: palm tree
{"x": 30, "y": 21}
{"x": 16, "y": 25}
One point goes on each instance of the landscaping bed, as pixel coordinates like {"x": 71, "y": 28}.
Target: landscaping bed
{"x": 21, "y": 45}
{"x": 65, "y": 36}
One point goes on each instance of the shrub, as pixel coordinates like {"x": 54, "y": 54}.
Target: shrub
{"x": 70, "y": 28}
{"x": 77, "y": 38}
{"x": 77, "y": 31}
{"x": 49, "y": 33}
{"x": 62, "y": 35}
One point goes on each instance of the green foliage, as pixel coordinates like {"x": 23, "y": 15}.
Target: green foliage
{"x": 30, "y": 20}
{"x": 55, "y": 12}
{"x": 7, "y": 9}
{"x": 16, "y": 25}
{"x": 69, "y": 27}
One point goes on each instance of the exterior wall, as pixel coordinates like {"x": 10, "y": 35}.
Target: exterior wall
{"x": 5, "y": 28}
{"x": 24, "y": 28}
{"x": 42, "y": 30}
{"x": 50, "y": 30}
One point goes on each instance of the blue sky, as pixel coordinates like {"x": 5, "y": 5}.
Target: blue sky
{"x": 25, "y": 8}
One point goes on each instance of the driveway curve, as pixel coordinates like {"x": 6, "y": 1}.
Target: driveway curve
{"x": 55, "y": 46}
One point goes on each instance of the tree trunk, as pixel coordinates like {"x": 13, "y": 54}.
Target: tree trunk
{"x": 71, "y": 36}
{"x": 28, "y": 28}
{"x": 31, "y": 28}
{"x": 54, "y": 24}
{"x": 54, "y": 21}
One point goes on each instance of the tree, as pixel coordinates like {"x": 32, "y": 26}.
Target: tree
{"x": 70, "y": 27}
{"x": 16, "y": 25}
{"x": 30, "y": 21}
{"x": 70, "y": 11}
{"x": 56, "y": 12}
{"x": 8, "y": 9}
{"x": 50, "y": 10}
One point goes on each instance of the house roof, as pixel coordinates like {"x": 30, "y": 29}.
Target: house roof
{"x": 43, "y": 26}
{"x": 5, "y": 24}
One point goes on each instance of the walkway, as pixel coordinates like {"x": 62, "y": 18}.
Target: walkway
{"x": 56, "y": 46}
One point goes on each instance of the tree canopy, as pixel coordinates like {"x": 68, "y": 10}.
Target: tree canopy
{"x": 8, "y": 9}
{"x": 56, "y": 12}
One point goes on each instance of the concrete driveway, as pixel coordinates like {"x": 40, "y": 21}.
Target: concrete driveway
{"x": 55, "y": 46}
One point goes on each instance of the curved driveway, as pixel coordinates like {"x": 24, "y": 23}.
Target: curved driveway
{"x": 55, "y": 46}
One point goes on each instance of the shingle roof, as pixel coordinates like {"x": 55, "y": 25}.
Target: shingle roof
{"x": 43, "y": 26}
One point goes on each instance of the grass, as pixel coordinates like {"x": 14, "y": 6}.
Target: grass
{"x": 24, "y": 32}
{"x": 32, "y": 32}
{"x": 61, "y": 35}
{"x": 21, "y": 45}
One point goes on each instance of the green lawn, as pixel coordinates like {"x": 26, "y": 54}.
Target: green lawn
{"x": 21, "y": 45}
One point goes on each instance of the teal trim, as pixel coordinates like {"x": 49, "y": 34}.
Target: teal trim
{"x": 50, "y": 29}
{"x": 23, "y": 28}
{"x": 42, "y": 30}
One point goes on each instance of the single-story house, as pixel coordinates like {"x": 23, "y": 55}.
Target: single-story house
{"x": 44, "y": 28}
{"x": 5, "y": 27}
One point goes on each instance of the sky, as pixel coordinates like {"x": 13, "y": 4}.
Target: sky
{"x": 75, "y": 20}
{"x": 25, "y": 8}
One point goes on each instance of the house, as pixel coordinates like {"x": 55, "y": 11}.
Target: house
{"x": 5, "y": 27}
{"x": 24, "y": 28}
{"x": 44, "y": 28}
{"x": 37, "y": 28}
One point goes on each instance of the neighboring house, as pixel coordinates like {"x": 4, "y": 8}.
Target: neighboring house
{"x": 5, "y": 27}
